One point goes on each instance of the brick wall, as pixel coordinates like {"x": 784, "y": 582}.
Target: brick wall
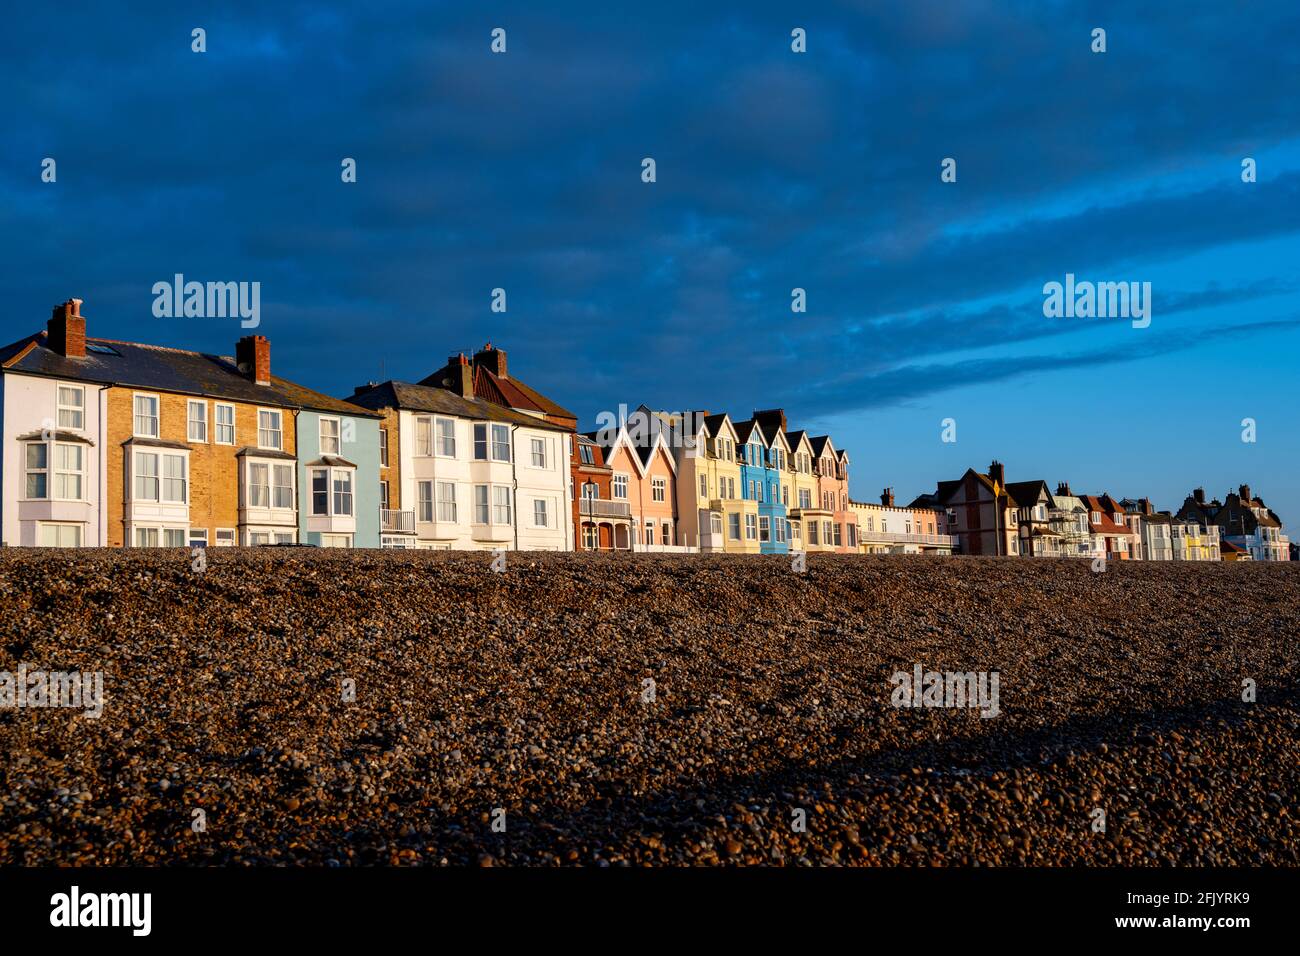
{"x": 214, "y": 469}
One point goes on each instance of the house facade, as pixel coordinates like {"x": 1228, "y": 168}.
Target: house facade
{"x": 761, "y": 466}
{"x": 982, "y": 516}
{"x": 477, "y": 476}
{"x": 886, "y": 528}
{"x": 145, "y": 446}
{"x": 1246, "y": 522}
{"x": 603, "y": 524}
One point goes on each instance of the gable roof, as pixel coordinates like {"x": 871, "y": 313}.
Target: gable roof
{"x": 1027, "y": 493}
{"x": 797, "y": 438}
{"x": 163, "y": 369}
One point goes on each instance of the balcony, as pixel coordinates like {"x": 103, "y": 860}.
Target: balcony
{"x": 397, "y": 522}
{"x": 603, "y": 508}
{"x": 902, "y": 537}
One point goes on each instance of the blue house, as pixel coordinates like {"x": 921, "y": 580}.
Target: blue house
{"x": 761, "y": 464}
{"x": 339, "y": 495}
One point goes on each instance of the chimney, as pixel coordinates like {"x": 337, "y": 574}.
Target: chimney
{"x": 995, "y": 472}
{"x": 67, "y": 330}
{"x": 887, "y": 497}
{"x": 1198, "y": 495}
{"x": 1063, "y": 488}
{"x": 494, "y": 360}
{"x": 1244, "y": 492}
{"x": 770, "y": 417}
{"x": 253, "y": 357}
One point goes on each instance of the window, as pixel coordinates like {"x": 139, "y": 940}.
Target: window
{"x": 764, "y": 529}
{"x": 446, "y": 437}
{"x": 146, "y": 478}
{"x": 586, "y": 455}
{"x": 320, "y": 496}
{"x": 60, "y": 536}
{"x": 269, "y": 432}
{"x": 659, "y": 489}
{"x": 336, "y": 541}
{"x": 733, "y": 526}
{"x": 812, "y": 532}
{"x": 259, "y": 485}
{"x": 38, "y": 470}
{"x": 225, "y": 537}
{"x": 500, "y": 504}
{"x": 446, "y": 501}
{"x": 838, "y": 535}
{"x": 329, "y": 436}
{"x": 343, "y": 491}
{"x": 539, "y": 513}
{"x": 480, "y": 504}
{"x": 68, "y": 471}
{"x": 704, "y": 486}
{"x": 283, "y": 475}
{"x": 500, "y": 442}
{"x": 649, "y": 532}
{"x": 781, "y": 525}
{"x": 146, "y": 415}
{"x": 805, "y": 498}
{"x": 196, "y": 414}
{"x": 72, "y": 411}
{"x": 146, "y": 537}
{"x": 480, "y": 442}
{"x": 174, "y": 481}
{"x": 424, "y": 437}
{"x": 785, "y": 495}
{"x": 715, "y": 524}
{"x": 751, "y": 527}
{"x": 225, "y": 421}
{"x": 383, "y": 449}
{"x": 620, "y": 486}
{"x": 198, "y": 537}
{"x": 424, "y": 500}
{"x": 539, "y": 452}
{"x": 256, "y": 538}
{"x": 667, "y": 534}
{"x": 853, "y": 535}
{"x": 383, "y": 494}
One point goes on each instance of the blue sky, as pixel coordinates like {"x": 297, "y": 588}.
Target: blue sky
{"x": 775, "y": 170}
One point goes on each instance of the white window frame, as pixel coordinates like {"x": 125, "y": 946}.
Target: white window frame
{"x": 541, "y": 510}
{"x": 225, "y": 538}
{"x": 136, "y": 416}
{"x": 537, "y": 449}
{"x": 440, "y": 439}
{"x": 277, "y": 431}
{"x": 423, "y": 436}
{"x": 218, "y": 425}
{"x": 336, "y": 438}
{"x": 619, "y": 481}
{"x": 190, "y": 421}
{"x": 447, "y": 505}
{"x": 79, "y": 410}
{"x": 43, "y": 471}
{"x": 659, "y": 489}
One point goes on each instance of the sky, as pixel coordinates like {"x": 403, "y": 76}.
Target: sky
{"x": 774, "y": 170}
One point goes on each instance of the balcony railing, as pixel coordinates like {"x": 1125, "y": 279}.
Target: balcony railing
{"x": 397, "y": 522}
{"x": 603, "y": 508}
{"x": 902, "y": 537}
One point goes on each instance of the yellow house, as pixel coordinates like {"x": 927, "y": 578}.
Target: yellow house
{"x": 806, "y": 506}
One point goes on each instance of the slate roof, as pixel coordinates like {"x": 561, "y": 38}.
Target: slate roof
{"x": 155, "y": 367}
{"x": 428, "y": 398}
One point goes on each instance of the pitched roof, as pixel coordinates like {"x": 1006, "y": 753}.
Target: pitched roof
{"x": 819, "y": 444}
{"x": 428, "y": 398}
{"x": 512, "y": 392}
{"x": 1026, "y": 493}
{"x": 135, "y": 365}
{"x": 796, "y": 438}
{"x": 745, "y": 429}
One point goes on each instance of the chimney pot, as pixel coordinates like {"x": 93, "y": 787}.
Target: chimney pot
{"x": 493, "y": 359}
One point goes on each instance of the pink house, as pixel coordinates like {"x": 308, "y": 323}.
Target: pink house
{"x": 645, "y": 476}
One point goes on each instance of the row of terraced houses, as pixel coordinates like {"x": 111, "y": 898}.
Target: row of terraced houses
{"x": 109, "y": 444}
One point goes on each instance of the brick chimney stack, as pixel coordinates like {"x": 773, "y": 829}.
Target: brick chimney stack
{"x": 66, "y": 331}
{"x": 1063, "y": 488}
{"x": 887, "y": 497}
{"x": 494, "y": 360}
{"x": 996, "y": 472}
{"x": 1198, "y": 495}
{"x": 253, "y": 356}
{"x": 1244, "y": 492}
